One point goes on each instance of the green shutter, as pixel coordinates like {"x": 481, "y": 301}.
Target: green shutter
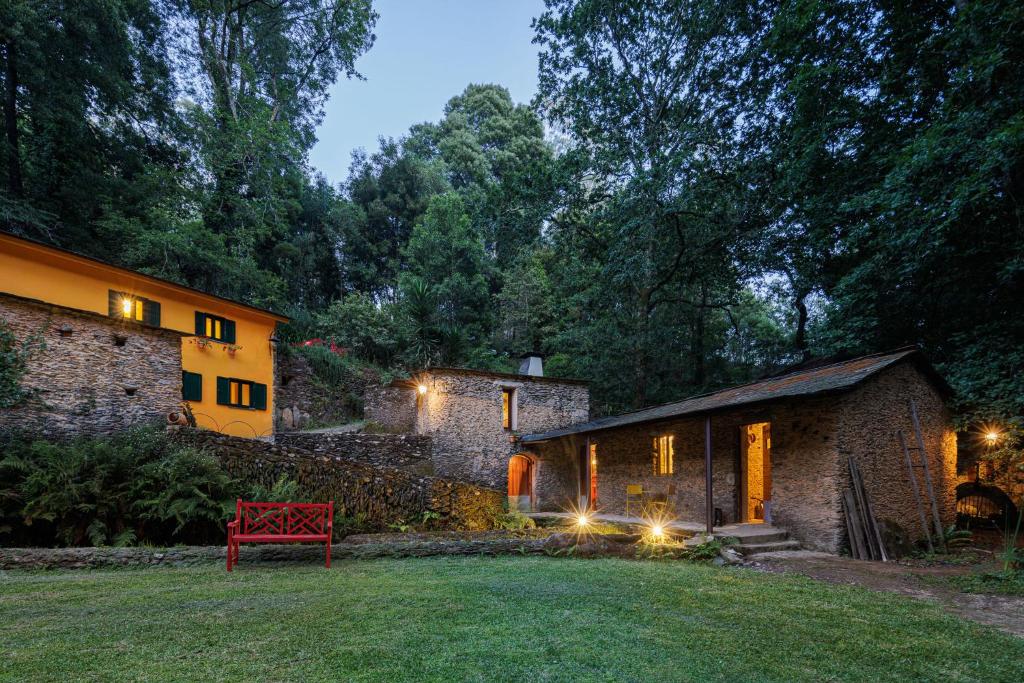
{"x": 258, "y": 397}
{"x": 229, "y": 331}
{"x": 191, "y": 386}
{"x": 114, "y": 304}
{"x": 200, "y": 324}
{"x": 151, "y": 313}
{"x": 223, "y": 391}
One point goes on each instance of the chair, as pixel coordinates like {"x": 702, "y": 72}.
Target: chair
{"x": 635, "y": 497}
{"x": 664, "y": 503}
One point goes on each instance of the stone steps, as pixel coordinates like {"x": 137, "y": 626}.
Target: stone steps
{"x": 752, "y": 540}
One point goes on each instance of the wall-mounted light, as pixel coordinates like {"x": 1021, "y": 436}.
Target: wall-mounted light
{"x": 991, "y": 436}
{"x": 126, "y": 307}
{"x": 422, "y": 388}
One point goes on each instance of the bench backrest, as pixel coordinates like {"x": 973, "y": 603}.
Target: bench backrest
{"x": 290, "y": 519}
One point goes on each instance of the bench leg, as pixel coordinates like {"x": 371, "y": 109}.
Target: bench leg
{"x": 328, "y": 552}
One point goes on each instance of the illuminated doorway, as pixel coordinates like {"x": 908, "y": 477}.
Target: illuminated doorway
{"x": 588, "y": 476}
{"x": 755, "y": 499}
{"x": 521, "y": 477}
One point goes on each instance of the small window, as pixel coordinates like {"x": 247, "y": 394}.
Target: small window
{"x": 508, "y": 408}
{"x": 135, "y": 308}
{"x": 241, "y": 393}
{"x": 664, "y": 454}
{"x": 191, "y": 386}
{"x": 215, "y": 327}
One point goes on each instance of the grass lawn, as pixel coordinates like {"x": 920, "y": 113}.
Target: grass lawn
{"x": 514, "y": 618}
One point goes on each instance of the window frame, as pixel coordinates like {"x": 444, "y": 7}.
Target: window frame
{"x": 664, "y": 455}
{"x": 245, "y": 387}
{"x": 209, "y": 321}
{"x": 144, "y": 311}
{"x": 185, "y": 374}
{"x": 509, "y": 409}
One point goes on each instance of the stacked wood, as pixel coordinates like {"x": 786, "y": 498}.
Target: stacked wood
{"x": 861, "y": 525}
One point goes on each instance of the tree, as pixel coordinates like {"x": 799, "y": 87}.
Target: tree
{"x": 446, "y": 253}
{"x": 643, "y": 89}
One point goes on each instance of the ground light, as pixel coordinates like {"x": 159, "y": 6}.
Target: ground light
{"x": 658, "y": 531}
{"x": 582, "y": 521}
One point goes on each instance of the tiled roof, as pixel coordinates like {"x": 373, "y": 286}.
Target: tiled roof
{"x": 825, "y": 379}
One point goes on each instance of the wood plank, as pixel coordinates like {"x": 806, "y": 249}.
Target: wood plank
{"x": 939, "y": 531}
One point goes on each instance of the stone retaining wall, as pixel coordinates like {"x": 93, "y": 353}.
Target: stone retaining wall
{"x": 301, "y": 398}
{"x": 95, "y": 376}
{"x": 382, "y": 495}
{"x": 410, "y": 452}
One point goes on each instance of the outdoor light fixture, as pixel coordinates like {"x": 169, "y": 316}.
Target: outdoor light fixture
{"x": 582, "y": 521}
{"x": 126, "y": 306}
{"x": 657, "y": 531}
{"x": 992, "y": 436}
{"x": 422, "y": 389}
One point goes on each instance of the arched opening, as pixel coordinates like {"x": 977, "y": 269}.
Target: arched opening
{"x": 522, "y": 470}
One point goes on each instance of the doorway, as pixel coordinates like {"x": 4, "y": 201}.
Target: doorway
{"x": 588, "y": 476}
{"x": 521, "y": 478}
{"x": 755, "y": 473}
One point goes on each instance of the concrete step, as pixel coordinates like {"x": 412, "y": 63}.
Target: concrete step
{"x": 759, "y": 534}
{"x": 748, "y": 549}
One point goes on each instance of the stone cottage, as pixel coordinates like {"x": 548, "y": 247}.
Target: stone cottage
{"x": 476, "y": 418}
{"x": 778, "y": 451}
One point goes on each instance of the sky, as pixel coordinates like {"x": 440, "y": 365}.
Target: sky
{"x": 426, "y": 52}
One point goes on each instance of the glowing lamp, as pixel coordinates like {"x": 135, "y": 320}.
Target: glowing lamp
{"x": 582, "y": 521}
{"x": 992, "y": 436}
{"x": 422, "y": 389}
{"x": 657, "y": 531}
{"x": 126, "y": 306}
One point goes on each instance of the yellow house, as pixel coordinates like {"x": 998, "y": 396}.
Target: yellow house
{"x": 227, "y": 348}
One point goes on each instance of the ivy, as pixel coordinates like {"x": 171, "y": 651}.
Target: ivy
{"x": 14, "y": 358}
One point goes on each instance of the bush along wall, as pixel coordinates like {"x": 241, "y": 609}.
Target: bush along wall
{"x": 377, "y": 495}
{"x": 138, "y": 486}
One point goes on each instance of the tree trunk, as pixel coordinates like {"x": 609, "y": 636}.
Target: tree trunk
{"x": 641, "y": 361}
{"x": 14, "y": 182}
{"x": 800, "y": 338}
{"x": 699, "y": 368}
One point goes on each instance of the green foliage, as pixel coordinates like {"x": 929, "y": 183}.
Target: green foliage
{"x": 283, "y": 490}
{"x": 513, "y": 520}
{"x": 14, "y": 357}
{"x": 362, "y": 326}
{"x": 134, "y": 487}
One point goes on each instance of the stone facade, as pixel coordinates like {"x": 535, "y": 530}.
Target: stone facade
{"x": 410, "y": 452}
{"x": 462, "y": 413}
{"x": 381, "y": 495}
{"x": 811, "y": 439}
{"x": 95, "y": 375}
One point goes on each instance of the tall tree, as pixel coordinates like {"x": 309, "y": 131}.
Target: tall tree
{"x": 642, "y": 87}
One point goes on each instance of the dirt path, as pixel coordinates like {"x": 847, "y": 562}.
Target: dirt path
{"x": 924, "y": 583}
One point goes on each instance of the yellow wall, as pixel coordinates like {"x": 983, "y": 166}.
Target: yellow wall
{"x": 38, "y": 272}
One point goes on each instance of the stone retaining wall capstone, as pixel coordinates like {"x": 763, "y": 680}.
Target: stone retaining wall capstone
{"x": 410, "y": 452}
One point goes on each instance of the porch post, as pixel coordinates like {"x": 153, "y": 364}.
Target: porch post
{"x": 709, "y": 501}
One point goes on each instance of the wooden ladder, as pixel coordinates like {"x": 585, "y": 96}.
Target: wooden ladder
{"x": 923, "y": 465}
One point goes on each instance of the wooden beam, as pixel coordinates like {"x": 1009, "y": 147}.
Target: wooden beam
{"x": 710, "y": 503}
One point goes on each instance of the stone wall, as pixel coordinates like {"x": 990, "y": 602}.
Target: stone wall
{"x": 95, "y": 375}
{"x": 383, "y": 495}
{"x": 462, "y": 412}
{"x": 410, "y": 452}
{"x": 392, "y": 408}
{"x": 302, "y": 399}
{"x": 869, "y": 419}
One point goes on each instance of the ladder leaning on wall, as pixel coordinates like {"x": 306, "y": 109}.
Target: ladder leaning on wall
{"x": 927, "y": 476}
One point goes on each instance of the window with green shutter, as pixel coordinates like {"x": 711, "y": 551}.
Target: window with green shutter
{"x": 241, "y": 393}
{"x": 135, "y": 308}
{"x": 191, "y": 386}
{"x": 215, "y": 327}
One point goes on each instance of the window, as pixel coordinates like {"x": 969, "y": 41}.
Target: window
{"x": 191, "y": 386}
{"x": 664, "y": 454}
{"x": 509, "y": 410}
{"x": 241, "y": 393}
{"x": 215, "y": 327}
{"x": 135, "y": 308}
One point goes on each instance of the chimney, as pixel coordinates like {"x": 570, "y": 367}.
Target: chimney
{"x": 533, "y": 364}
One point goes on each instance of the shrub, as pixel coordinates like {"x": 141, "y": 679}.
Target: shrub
{"x": 513, "y": 520}
{"x": 134, "y": 487}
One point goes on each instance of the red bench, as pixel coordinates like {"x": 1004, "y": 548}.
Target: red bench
{"x": 280, "y": 523}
